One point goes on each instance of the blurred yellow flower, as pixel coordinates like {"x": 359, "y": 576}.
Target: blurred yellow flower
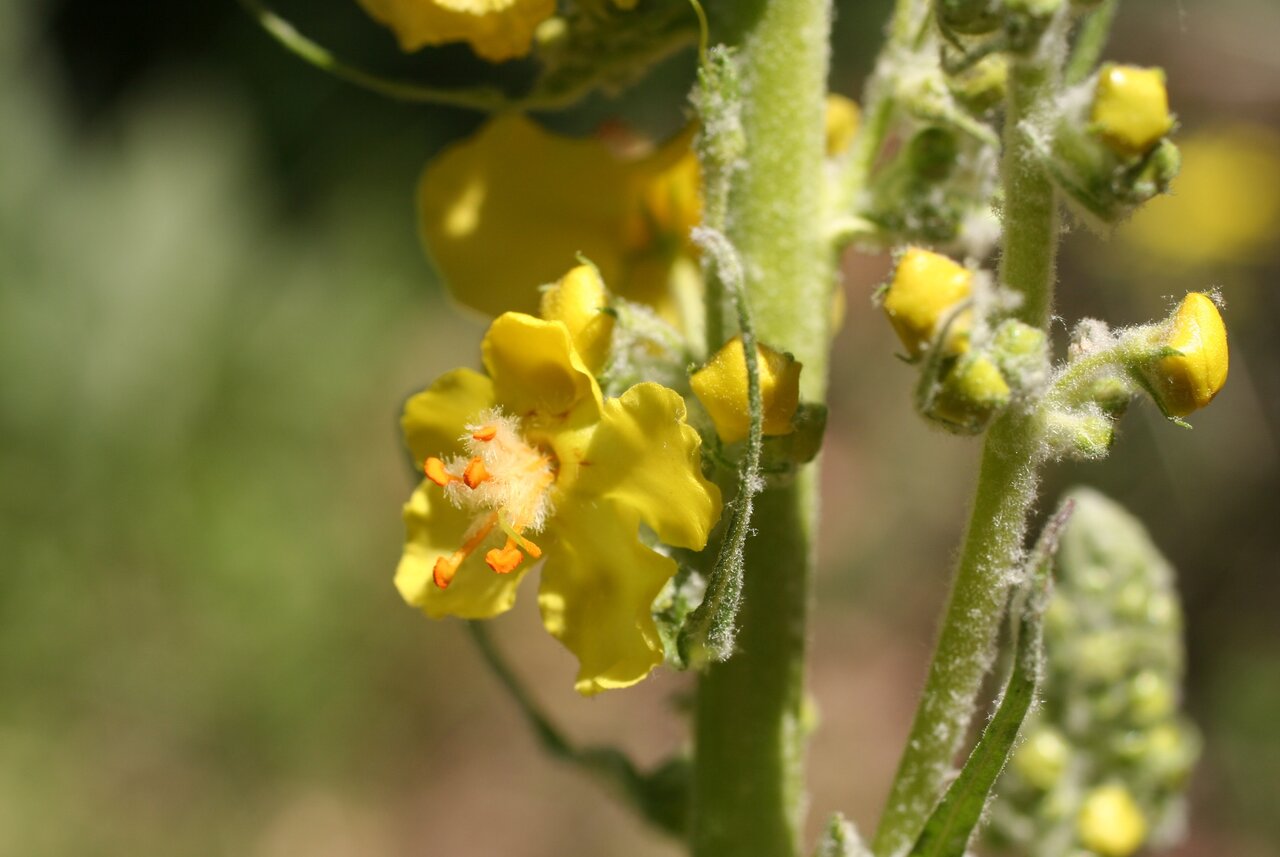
{"x": 496, "y": 29}
{"x": 1225, "y": 205}
{"x": 1110, "y": 822}
{"x": 531, "y": 461}
{"x": 511, "y": 206}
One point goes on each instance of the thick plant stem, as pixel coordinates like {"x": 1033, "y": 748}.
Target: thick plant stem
{"x": 748, "y": 796}
{"x": 993, "y": 553}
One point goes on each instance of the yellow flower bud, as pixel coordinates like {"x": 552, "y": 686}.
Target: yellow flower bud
{"x": 496, "y": 29}
{"x": 842, "y": 119}
{"x": 1110, "y": 822}
{"x": 1131, "y": 108}
{"x": 579, "y": 300}
{"x": 1189, "y": 380}
{"x": 721, "y": 386}
{"x": 925, "y": 287}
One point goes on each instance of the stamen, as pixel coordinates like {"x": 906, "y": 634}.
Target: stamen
{"x": 434, "y": 468}
{"x": 485, "y": 433}
{"x": 447, "y": 566}
{"x": 475, "y": 473}
{"x": 505, "y": 559}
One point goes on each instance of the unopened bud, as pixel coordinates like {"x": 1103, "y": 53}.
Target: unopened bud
{"x": 1110, "y": 822}
{"x": 1131, "y": 108}
{"x": 580, "y": 301}
{"x": 925, "y": 290}
{"x": 721, "y": 387}
{"x": 969, "y": 395}
{"x": 842, "y": 118}
{"x": 1043, "y": 758}
{"x": 1188, "y": 380}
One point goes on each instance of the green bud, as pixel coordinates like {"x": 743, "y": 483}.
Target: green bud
{"x": 970, "y": 17}
{"x": 1026, "y": 21}
{"x": 969, "y": 395}
{"x": 932, "y": 153}
{"x": 1043, "y": 758}
{"x": 981, "y": 87}
{"x": 1022, "y": 353}
{"x": 1151, "y": 697}
{"x": 1085, "y": 434}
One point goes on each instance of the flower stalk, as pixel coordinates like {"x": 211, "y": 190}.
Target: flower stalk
{"x": 748, "y": 796}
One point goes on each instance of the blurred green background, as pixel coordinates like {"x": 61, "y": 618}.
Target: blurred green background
{"x": 212, "y": 303}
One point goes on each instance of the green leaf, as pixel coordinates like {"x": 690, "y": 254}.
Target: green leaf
{"x": 949, "y": 828}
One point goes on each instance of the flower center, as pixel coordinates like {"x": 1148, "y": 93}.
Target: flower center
{"x": 505, "y": 481}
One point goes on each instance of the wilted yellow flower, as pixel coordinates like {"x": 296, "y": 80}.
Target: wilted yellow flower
{"x": 1131, "y": 108}
{"x": 1110, "y": 822}
{"x": 1225, "y": 205}
{"x": 1189, "y": 380}
{"x": 512, "y": 205}
{"x": 721, "y": 386}
{"x": 926, "y": 287}
{"x": 530, "y": 461}
{"x": 496, "y": 29}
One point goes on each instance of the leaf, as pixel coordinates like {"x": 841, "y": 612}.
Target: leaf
{"x": 949, "y": 828}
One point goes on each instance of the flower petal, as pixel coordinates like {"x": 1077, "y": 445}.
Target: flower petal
{"x": 436, "y": 418}
{"x": 497, "y": 29}
{"x": 537, "y": 373}
{"x": 644, "y": 456}
{"x": 597, "y": 591}
{"x": 434, "y": 529}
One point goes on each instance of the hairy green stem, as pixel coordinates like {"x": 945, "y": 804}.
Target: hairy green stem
{"x": 748, "y": 795}
{"x": 992, "y": 554}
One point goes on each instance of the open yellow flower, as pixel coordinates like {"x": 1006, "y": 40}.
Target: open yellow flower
{"x": 529, "y": 462}
{"x": 496, "y": 29}
{"x": 505, "y": 209}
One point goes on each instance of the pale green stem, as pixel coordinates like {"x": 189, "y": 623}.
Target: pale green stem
{"x": 1094, "y": 31}
{"x": 748, "y": 794}
{"x": 993, "y": 547}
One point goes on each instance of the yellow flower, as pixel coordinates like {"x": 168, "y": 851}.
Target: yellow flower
{"x": 721, "y": 386}
{"x": 542, "y": 199}
{"x": 497, "y": 29}
{"x": 530, "y": 461}
{"x": 580, "y": 300}
{"x": 1110, "y": 822}
{"x": 1189, "y": 380}
{"x": 926, "y": 287}
{"x": 1131, "y": 108}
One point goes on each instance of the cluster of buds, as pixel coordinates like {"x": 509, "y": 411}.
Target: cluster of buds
{"x": 970, "y": 369}
{"x": 1108, "y": 148}
{"x": 1009, "y": 25}
{"x": 1106, "y": 758}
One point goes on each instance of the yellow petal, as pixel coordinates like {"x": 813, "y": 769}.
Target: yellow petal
{"x": 510, "y": 208}
{"x": 579, "y": 299}
{"x": 721, "y": 386}
{"x": 434, "y": 529}
{"x": 435, "y": 419}
{"x": 1188, "y": 381}
{"x": 643, "y": 456}
{"x": 925, "y": 287}
{"x": 597, "y": 591}
{"x": 1131, "y": 108}
{"x": 537, "y": 373}
{"x": 497, "y": 29}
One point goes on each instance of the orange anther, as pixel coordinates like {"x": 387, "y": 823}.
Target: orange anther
{"x": 434, "y": 468}
{"x": 505, "y": 559}
{"x": 445, "y": 568}
{"x": 475, "y": 473}
{"x": 485, "y": 434}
